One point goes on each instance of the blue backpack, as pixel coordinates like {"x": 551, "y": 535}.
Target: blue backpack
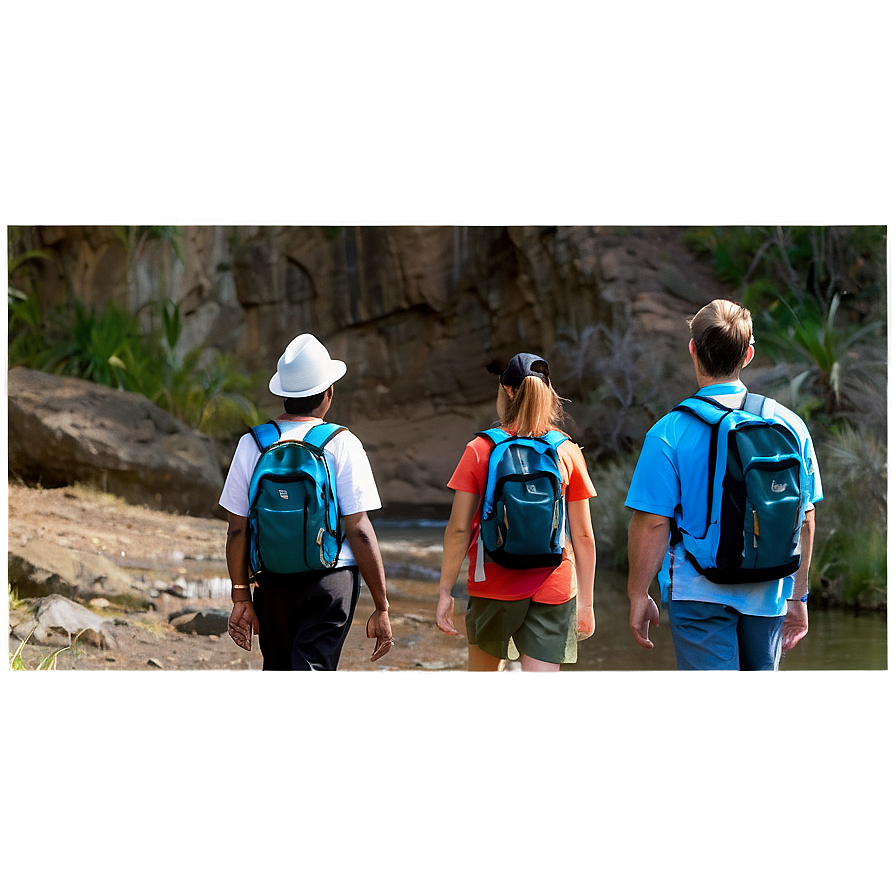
{"x": 523, "y": 521}
{"x": 755, "y": 505}
{"x": 294, "y": 523}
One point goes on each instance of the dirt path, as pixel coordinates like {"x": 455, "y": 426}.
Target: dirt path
{"x": 165, "y": 553}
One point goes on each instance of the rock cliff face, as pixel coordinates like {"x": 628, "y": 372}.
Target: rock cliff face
{"x": 417, "y": 313}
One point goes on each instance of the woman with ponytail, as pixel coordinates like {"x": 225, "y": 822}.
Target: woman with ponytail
{"x": 536, "y": 615}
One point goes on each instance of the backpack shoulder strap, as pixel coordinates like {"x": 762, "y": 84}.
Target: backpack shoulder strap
{"x": 265, "y": 434}
{"x": 495, "y": 435}
{"x": 555, "y": 438}
{"x": 322, "y": 433}
{"x": 711, "y": 413}
{"x": 706, "y": 409}
{"x": 759, "y": 405}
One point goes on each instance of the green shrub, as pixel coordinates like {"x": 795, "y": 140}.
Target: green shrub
{"x": 619, "y": 384}
{"x": 25, "y": 337}
{"x": 203, "y": 388}
{"x": 850, "y": 558}
{"x": 609, "y": 515}
{"x": 104, "y": 347}
{"x": 818, "y": 298}
{"x": 207, "y": 391}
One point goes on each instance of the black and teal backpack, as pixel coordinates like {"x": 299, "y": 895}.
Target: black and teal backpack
{"x": 755, "y": 499}
{"x": 294, "y": 523}
{"x": 523, "y": 516}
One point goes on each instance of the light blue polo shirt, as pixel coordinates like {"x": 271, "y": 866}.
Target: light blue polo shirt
{"x": 671, "y": 479}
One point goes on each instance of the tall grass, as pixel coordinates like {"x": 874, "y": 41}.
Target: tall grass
{"x": 47, "y": 664}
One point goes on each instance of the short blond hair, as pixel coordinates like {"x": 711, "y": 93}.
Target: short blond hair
{"x": 722, "y": 332}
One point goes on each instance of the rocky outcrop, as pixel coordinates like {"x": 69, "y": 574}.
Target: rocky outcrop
{"x": 64, "y": 430}
{"x": 418, "y": 313}
{"x": 40, "y": 567}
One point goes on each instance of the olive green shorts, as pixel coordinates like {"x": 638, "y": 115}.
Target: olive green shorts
{"x": 508, "y": 628}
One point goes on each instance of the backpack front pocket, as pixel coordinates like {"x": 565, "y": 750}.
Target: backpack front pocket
{"x": 527, "y": 515}
{"x": 281, "y": 511}
{"x": 773, "y": 502}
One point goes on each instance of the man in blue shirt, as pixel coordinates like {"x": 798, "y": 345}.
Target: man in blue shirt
{"x": 714, "y": 626}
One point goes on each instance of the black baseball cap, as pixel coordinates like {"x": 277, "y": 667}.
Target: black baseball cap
{"x": 523, "y": 365}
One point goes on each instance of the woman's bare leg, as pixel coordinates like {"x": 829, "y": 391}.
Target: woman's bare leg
{"x": 480, "y": 661}
{"x": 532, "y": 665}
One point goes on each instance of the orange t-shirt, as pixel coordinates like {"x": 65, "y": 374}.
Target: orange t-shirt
{"x": 551, "y": 585}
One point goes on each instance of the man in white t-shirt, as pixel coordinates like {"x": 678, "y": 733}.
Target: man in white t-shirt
{"x": 302, "y": 619}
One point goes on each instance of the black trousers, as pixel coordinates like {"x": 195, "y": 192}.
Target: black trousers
{"x": 303, "y": 619}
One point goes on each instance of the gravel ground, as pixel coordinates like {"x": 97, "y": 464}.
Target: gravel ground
{"x": 164, "y": 553}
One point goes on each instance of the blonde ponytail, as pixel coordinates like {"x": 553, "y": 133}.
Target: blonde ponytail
{"x": 534, "y": 409}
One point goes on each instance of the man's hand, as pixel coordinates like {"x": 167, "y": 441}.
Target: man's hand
{"x": 584, "y": 621}
{"x": 242, "y": 624}
{"x": 379, "y": 627}
{"x": 445, "y": 614}
{"x": 648, "y": 541}
{"x": 796, "y": 624}
{"x": 643, "y": 612}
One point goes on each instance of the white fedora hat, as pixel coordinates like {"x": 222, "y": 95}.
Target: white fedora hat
{"x": 305, "y": 368}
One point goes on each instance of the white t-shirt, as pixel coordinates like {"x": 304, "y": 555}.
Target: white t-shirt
{"x": 355, "y": 486}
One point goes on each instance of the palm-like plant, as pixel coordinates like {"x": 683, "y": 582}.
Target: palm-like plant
{"x": 818, "y": 301}
{"x": 819, "y": 352}
{"x": 205, "y": 389}
{"x": 105, "y": 347}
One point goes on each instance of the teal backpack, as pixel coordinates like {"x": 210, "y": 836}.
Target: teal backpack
{"x": 523, "y": 516}
{"x": 294, "y": 523}
{"x": 755, "y": 504}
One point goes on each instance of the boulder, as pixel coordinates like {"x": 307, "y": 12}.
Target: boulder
{"x": 58, "y": 620}
{"x": 202, "y": 622}
{"x": 64, "y": 430}
{"x": 40, "y": 567}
